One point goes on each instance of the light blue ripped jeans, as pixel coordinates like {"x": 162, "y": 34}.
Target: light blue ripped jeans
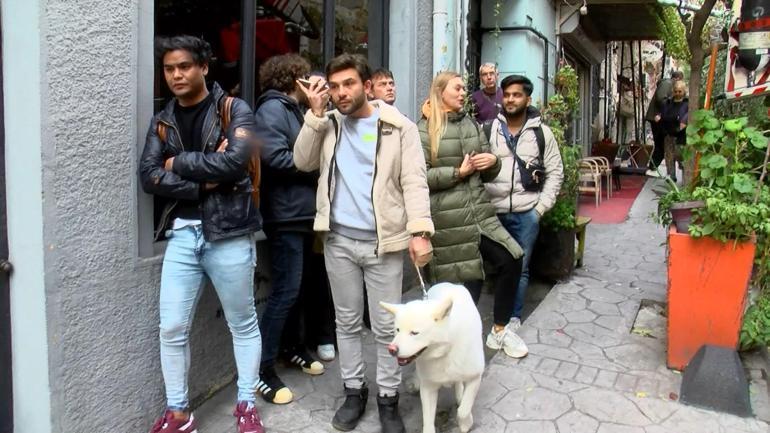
{"x": 229, "y": 264}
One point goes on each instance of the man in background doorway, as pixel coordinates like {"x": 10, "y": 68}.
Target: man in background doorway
{"x": 489, "y": 98}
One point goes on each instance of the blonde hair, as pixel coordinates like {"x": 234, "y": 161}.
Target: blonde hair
{"x": 438, "y": 114}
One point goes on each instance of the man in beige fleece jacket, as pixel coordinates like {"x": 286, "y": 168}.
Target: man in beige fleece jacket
{"x": 372, "y": 201}
{"x": 516, "y": 129}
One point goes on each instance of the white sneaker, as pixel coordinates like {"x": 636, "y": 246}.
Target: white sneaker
{"x": 514, "y": 324}
{"x": 652, "y": 173}
{"x": 326, "y": 352}
{"x": 507, "y": 340}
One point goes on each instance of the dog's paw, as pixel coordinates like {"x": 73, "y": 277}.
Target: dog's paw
{"x": 465, "y": 423}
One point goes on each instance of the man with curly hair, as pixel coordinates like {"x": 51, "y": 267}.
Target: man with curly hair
{"x": 288, "y": 209}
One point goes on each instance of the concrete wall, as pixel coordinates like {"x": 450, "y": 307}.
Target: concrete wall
{"x": 84, "y": 312}
{"x": 521, "y": 52}
{"x": 100, "y": 297}
{"x": 411, "y": 53}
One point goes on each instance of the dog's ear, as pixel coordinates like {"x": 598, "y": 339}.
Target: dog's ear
{"x": 390, "y": 308}
{"x": 443, "y": 308}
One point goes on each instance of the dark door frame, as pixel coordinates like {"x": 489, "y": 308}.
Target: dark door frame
{"x": 6, "y": 384}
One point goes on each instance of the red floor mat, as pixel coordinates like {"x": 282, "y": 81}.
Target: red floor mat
{"x": 613, "y": 210}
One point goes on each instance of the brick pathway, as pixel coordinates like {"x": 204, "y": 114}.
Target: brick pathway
{"x": 586, "y": 372}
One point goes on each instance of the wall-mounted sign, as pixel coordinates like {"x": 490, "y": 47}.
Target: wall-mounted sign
{"x": 748, "y": 54}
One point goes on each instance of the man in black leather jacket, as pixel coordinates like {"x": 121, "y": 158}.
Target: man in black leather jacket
{"x": 209, "y": 220}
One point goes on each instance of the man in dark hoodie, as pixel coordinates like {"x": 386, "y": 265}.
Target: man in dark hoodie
{"x": 288, "y": 209}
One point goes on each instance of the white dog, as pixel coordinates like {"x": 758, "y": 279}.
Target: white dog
{"x": 443, "y": 335}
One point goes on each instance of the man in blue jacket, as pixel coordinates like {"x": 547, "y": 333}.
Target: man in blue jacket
{"x": 288, "y": 209}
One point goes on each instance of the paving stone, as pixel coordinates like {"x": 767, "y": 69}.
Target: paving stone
{"x": 490, "y": 393}
{"x": 592, "y": 333}
{"x": 634, "y": 356}
{"x": 554, "y": 337}
{"x": 613, "y": 323}
{"x": 690, "y": 420}
{"x": 556, "y": 384}
{"x": 537, "y": 404}
{"x": 509, "y": 379}
{"x": 528, "y": 427}
{"x": 485, "y": 420}
{"x": 617, "y": 428}
{"x": 554, "y": 352}
{"x": 565, "y": 303}
{"x": 586, "y": 374}
{"x": 566, "y": 370}
{"x": 576, "y": 422}
{"x": 547, "y": 366}
{"x": 647, "y": 386}
{"x": 581, "y": 316}
{"x": 654, "y": 408}
{"x": 605, "y": 379}
{"x": 587, "y": 350}
{"x": 608, "y": 406}
{"x": 602, "y": 295}
{"x": 626, "y": 383}
{"x": 603, "y": 308}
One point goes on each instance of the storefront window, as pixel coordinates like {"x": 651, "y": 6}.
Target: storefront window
{"x": 281, "y": 26}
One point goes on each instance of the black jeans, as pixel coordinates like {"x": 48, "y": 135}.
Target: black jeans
{"x": 507, "y": 273}
{"x": 281, "y": 324}
{"x": 658, "y": 134}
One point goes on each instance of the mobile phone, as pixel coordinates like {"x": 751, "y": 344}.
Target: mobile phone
{"x": 308, "y": 83}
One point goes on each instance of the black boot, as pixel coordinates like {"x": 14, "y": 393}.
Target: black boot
{"x": 352, "y": 409}
{"x": 390, "y": 419}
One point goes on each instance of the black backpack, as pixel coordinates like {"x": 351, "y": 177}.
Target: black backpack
{"x": 532, "y": 174}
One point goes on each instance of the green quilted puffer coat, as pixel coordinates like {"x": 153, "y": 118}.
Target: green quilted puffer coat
{"x": 461, "y": 209}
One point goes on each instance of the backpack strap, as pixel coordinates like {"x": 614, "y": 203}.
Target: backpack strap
{"x": 487, "y": 127}
{"x": 225, "y": 112}
{"x": 162, "y": 131}
{"x": 540, "y": 142}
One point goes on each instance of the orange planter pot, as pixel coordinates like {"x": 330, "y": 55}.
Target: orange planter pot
{"x": 707, "y": 286}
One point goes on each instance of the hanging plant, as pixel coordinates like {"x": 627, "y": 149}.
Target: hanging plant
{"x": 672, "y": 32}
{"x": 557, "y": 114}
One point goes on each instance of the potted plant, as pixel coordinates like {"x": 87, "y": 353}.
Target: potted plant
{"x": 710, "y": 266}
{"x": 553, "y": 257}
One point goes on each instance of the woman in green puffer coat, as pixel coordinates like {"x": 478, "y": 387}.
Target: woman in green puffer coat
{"x": 468, "y": 233}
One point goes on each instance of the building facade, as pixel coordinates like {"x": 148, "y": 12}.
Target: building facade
{"x": 80, "y": 87}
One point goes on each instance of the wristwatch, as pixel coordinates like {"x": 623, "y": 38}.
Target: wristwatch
{"x": 424, "y": 235}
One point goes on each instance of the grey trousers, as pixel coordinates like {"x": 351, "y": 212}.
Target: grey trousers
{"x": 350, "y": 263}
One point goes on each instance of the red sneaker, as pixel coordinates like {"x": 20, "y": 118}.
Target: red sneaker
{"x": 247, "y": 419}
{"x": 167, "y": 424}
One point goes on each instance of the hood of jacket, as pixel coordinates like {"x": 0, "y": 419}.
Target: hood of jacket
{"x": 275, "y": 94}
{"x": 534, "y": 118}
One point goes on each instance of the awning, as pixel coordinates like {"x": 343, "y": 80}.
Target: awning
{"x": 619, "y": 20}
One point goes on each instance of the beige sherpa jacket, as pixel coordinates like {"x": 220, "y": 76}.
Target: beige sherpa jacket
{"x": 400, "y": 192}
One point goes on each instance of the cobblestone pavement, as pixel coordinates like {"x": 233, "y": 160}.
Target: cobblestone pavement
{"x": 586, "y": 372}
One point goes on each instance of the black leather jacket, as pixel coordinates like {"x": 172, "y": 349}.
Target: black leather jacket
{"x": 228, "y": 210}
